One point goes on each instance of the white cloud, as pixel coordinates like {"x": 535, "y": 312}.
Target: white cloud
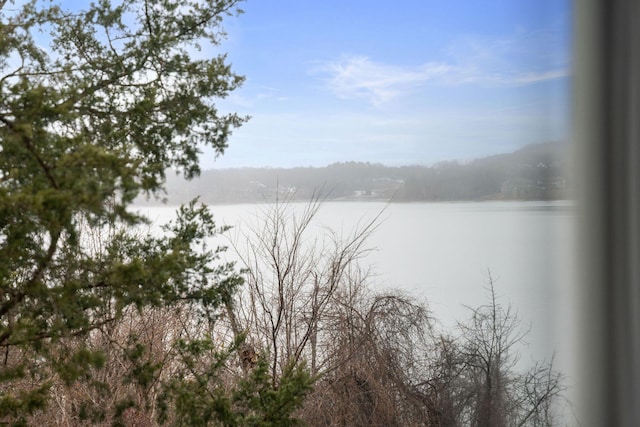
{"x": 530, "y": 78}
{"x": 463, "y": 76}
{"x": 521, "y": 59}
{"x": 357, "y": 77}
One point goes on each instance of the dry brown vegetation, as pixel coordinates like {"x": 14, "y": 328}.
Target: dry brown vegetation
{"x": 378, "y": 358}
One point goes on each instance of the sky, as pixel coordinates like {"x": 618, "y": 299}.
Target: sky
{"x": 402, "y": 82}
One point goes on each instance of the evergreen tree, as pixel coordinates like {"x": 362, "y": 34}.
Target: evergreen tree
{"x": 97, "y": 102}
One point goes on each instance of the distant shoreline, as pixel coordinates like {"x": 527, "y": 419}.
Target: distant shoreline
{"x": 137, "y": 204}
{"x": 535, "y": 172}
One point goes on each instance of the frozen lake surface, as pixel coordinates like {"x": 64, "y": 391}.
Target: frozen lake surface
{"x": 442, "y": 253}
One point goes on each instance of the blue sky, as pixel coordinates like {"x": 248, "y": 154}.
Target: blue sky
{"x": 402, "y": 82}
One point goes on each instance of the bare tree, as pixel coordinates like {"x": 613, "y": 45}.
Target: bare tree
{"x": 380, "y": 354}
{"x": 499, "y": 395}
{"x": 292, "y": 278}
{"x": 377, "y": 355}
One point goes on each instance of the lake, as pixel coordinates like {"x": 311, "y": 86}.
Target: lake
{"x": 443, "y": 252}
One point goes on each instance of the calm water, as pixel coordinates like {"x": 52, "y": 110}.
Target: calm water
{"x": 442, "y": 253}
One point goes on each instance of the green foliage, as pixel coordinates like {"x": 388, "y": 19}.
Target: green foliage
{"x": 251, "y": 401}
{"x": 73, "y": 365}
{"x": 98, "y": 102}
{"x": 23, "y": 402}
{"x": 268, "y": 406}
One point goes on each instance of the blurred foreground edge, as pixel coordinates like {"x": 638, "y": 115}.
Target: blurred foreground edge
{"x": 607, "y": 169}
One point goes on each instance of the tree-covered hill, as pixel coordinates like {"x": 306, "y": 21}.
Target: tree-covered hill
{"x": 535, "y": 172}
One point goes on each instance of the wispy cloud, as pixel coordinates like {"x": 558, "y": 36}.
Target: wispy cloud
{"x": 353, "y": 77}
{"x": 522, "y": 59}
{"x": 530, "y": 78}
{"x": 462, "y": 76}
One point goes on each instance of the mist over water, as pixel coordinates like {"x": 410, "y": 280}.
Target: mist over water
{"x": 443, "y": 254}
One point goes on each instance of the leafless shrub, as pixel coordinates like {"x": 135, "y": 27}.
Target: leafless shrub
{"x": 137, "y": 341}
{"x": 378, "y": 356}
{"x": 291, "y": 281}
{"x": 497, "y": 394}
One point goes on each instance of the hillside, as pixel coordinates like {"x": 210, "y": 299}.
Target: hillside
{"x": 535, "y": 172}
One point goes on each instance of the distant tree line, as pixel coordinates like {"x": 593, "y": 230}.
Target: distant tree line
{"x": 535, "y": 172}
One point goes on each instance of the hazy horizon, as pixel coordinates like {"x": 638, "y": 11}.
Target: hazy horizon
{"x": 461, "y": 161}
